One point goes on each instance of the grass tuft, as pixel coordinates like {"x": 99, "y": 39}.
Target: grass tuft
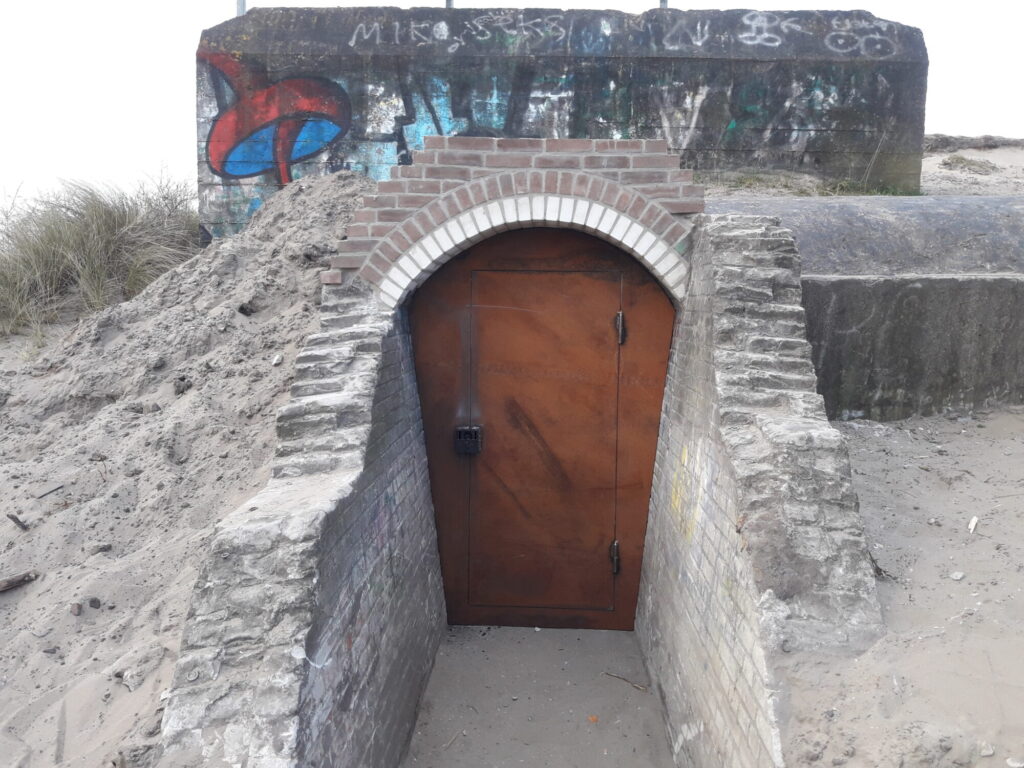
{"x": 84, "y": 247}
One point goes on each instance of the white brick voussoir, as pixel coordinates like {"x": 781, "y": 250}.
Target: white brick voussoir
{"x": 524, "y": 211}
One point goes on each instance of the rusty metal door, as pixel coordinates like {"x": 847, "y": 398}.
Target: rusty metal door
{"x": 540, "y": 357}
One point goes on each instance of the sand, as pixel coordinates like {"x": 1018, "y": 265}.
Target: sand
{"x": 945, "y": 685}
{"x": 515, "y": 697}
{"x": 122, "y": 442}
{"x": 955, "y": 166}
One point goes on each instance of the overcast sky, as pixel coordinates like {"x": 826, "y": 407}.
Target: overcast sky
{"x": 104, "y": 90}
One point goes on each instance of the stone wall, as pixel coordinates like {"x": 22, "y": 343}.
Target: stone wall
{"x": 314, "y": 624}
{"x": 890, "y": 347}
{"x": 379, "y": 602}
{"x": 755, "y": 546}
{"x": 285, "y": 93}
{"x": 697, "y": 614}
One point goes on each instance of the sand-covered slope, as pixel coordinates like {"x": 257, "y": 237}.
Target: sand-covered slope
{"x": 121, "y": 444}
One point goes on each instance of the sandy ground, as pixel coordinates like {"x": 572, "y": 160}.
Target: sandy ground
{"x": 122, "y": 442}
{"x": 959, "y": 168}
{"x": 507, "y": 696}
{"x": 945, "y": 686}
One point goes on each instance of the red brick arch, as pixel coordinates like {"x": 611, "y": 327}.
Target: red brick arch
{"x": 618, "y": 191}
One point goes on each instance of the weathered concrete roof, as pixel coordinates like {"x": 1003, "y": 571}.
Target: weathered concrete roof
{"x": 658, "y": 33}
{"x": 875, "y": 235}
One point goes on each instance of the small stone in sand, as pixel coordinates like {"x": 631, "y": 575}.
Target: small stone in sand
{"x": 278, "y": 359}
{"x": 958, "y": 576}
{"x": 986, "y": 750}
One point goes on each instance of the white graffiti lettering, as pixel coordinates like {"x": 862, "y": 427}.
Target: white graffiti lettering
{"x": 549, "y": 29}
{"x": 858, "y": 36}
{"x": 869, "y": 37}
{"x": 681, "y": 35}
{"x": 367, "y": 32}
{"x": 790, "y": 25}
{"x": 759, "y": 24}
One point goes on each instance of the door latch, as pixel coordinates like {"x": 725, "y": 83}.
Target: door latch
{"x": 613, "y": 554}
{"x": 469, "y": 440}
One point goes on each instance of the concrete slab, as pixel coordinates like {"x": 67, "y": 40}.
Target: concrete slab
{"x": 511, "y": 696}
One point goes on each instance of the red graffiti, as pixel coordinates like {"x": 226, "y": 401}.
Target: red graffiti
{"x": 270, "y": 126}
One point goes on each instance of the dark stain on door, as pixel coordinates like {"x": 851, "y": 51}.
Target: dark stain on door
{"x": 522, "y": 336}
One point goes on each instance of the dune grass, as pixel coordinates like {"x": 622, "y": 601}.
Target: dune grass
{"x": 85, "y": 247}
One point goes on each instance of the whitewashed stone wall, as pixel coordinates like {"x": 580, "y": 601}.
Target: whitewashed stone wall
{"x": 754, "y": 545}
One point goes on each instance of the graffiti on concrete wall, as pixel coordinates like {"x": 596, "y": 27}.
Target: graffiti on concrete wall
{"x": 267, "y": 127}
{"x": 285, "y": 93}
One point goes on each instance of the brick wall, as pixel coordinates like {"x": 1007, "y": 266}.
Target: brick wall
{"x": 754, "y": 545}
{"x": 314, "y": 623}
{"x": 379, "y": 602}
{"x": 697, "y": 617}
{"x": 462, "y": 189}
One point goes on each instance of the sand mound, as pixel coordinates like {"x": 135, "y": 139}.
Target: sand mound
{"x": 120, "y": 448}
{"x": 943, "y": 686}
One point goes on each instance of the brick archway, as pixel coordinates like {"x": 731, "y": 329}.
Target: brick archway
{"x": 463, "y": 189}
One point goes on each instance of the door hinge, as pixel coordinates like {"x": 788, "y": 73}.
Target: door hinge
{"x": 620, "y": 326}
{"x": 613, "y": 554}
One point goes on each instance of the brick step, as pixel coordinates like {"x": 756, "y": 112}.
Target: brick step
{"x": 780, "y": 344}
{"x": 770, "y": 380}
{"x": 770, "y": 259}
{"x": 319, "y": 386}
{"x": 763, "y": 362}
{"x": 353, "y": 384}
{"x": 330, "y": 321}
{"x": 740, "y": 397}
{"x": 807, "y": 404}
{"x": 349, "y": 364}
{"x": 344, "y": 301}
{"x": 340, "y": 353}
{"x": 735, "y": 329}
{"x": 306, "y": 464}
{"x": 770, "y": 311}
{"x": 338, "y": 336}
{"x": 309, "y": 416}
{"x": 337, "y": 441}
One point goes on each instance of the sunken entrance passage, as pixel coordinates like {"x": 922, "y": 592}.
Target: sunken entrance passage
{"x": 541, "y": 357}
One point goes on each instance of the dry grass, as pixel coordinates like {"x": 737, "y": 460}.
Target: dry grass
{"x": 85, "y": 247}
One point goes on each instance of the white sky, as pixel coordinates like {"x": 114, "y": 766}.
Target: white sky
{"x": 104, "y": 90}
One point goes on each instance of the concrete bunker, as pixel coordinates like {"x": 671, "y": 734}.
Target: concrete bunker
{"x": 314, "y": 625}
{"x": 753, "y": 545}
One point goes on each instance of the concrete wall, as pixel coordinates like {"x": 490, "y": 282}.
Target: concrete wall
{"x": 890, "y": 347}
{"x": 379, "y": 602}
{"x": 755, "y": 548}
{"x": 914, "y": 304}
{"x": 915, "y": 235}
{"x": 285, "y": 93}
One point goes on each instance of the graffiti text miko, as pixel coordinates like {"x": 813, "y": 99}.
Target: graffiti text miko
{"x": 482, "y": 28}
